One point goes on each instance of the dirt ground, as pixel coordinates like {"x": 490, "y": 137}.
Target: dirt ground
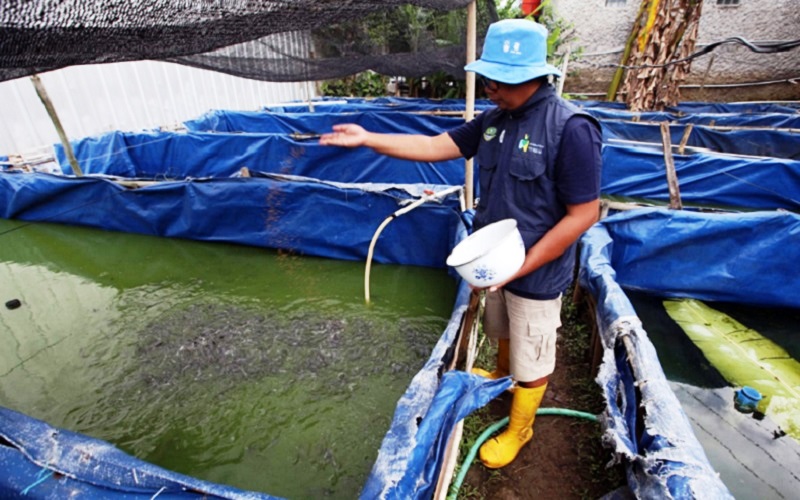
{"x": 565, "y": 459}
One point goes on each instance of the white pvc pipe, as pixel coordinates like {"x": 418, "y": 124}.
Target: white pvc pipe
{"x": 396, "y": 214}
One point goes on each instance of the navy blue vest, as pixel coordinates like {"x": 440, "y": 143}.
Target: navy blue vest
{"x": 516, "y": 163}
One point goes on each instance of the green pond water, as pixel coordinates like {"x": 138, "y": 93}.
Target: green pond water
{"x": 750, "y": 459}
{"x": 237, "y": 365}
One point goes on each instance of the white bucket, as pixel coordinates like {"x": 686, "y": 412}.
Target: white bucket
{"x": 490, "y": 255}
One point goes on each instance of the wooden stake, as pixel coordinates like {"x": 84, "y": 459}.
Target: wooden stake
{"x": 51, "y": 110}
{"x": 686, "y": 133}
{"x": 672, "y": 178}
{"x": 466, "y": 348}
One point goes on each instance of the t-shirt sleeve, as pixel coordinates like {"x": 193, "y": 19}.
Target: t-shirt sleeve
{"x": 579, "y": 161}
{"x": 468, "y": 136}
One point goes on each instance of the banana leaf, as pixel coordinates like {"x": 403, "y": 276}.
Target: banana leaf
{"x": 744, "y": 357}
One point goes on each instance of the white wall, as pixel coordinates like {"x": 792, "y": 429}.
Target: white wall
{"x": 94, "y": 99}
{"x": 602, "y": 28}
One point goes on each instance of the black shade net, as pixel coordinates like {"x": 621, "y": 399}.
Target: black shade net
{"x": 289, "y": 40}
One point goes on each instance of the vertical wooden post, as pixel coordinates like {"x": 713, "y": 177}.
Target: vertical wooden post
{"x": 686, "y": 133}
{"x": 51, "y": 110}
{"x": 469, "y": 113}
{"x": 672, "y": 177}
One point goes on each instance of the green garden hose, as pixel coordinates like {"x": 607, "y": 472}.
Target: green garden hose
{"x": 462, "y": 473}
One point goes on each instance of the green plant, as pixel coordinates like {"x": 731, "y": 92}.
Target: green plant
{"x": 413, "y": 29}
{"x": 507, "y": 9}
{"x": 365, "y": 84}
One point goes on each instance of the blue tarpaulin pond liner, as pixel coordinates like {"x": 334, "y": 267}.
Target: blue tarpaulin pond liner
{"x": 177, "y": 156}
{"x": 41, "y": 461}
{"x": 716, "y": 180}
{"x": 397, "y": 122}
{"x": 776, "y": 143}
{"x": 301, "y": 215}
{"x": 705, "y": 179}
{"x": 683, "y": 108}
{"x": 742, "y": 258}
{"x": 304, "y": 198}
{"x": 351, "y": 105}
{"x": 761, "y": 120}
{"x": 307, "y": 216}
{"x": 744, "y": 140}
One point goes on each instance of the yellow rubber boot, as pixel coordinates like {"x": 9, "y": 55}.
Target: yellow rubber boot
{"x": 503, "y": 363}
{"x": 503, "y": 449}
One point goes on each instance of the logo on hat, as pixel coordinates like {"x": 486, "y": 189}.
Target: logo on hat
{"x": 507, "y": 48}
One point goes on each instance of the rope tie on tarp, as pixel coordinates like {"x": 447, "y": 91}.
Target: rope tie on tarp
{"x": 43, "y": 474}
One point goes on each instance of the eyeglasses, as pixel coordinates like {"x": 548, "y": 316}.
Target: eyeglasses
{"x": 489, "y": 84}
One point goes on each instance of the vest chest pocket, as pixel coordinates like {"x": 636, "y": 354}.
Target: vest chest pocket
{"x": 531, "y": 187}
{"x": 526, "y": 166}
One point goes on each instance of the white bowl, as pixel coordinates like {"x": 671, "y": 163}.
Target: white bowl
{"x": 490, "y": 255}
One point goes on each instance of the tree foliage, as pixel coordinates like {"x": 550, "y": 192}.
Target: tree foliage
{"x": 412, "y": 29}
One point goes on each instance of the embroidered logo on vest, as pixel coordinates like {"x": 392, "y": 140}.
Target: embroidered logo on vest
{"x": 525, "y": 144}
{"x": 489, "y": 134}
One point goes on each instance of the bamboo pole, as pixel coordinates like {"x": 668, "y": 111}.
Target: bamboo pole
{"x": 51, "y": 110}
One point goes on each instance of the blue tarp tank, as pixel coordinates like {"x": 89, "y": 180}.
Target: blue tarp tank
{"x": 734, "y": 257}
{"x": 195, "y": 181}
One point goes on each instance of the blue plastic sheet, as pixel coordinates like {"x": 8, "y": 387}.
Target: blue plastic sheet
{"x": 707, "y": 107}
{"x": 349, "y": 105}
{"x": 40, "y": 461}
{"x": 263, "y": 212}
{"x": 772, "y": 115}
{"x": 395, "y": 122}
{"x": 412, "y": 451}
{"x": 168, "y": 155}
{"x": 744, "y": 258}
{"x": 662, "y": 456}
{"x": 704, "y": 179}
{"x": 752, "y": 142}
{"x": 764, "y": 120}
{"x": 741, "y": 258}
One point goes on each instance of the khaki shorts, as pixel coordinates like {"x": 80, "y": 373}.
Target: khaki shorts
{"x": 530, "y": 325}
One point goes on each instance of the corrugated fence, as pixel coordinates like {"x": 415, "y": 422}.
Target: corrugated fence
{"x": 131, "y": 96}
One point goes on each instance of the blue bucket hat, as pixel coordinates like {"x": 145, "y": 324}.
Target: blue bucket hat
{"x": 514, "y": 51}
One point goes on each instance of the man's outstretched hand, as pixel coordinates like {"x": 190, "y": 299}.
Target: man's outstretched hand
{"x": 348, "y": 135}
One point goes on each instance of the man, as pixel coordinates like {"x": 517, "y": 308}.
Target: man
{"x": 539, "y": 162}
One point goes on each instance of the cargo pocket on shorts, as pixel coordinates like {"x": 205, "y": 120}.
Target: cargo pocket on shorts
{"x": 542, "y": 343}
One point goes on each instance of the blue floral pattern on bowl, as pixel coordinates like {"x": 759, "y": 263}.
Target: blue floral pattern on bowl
{"x": 483, "y": 273}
